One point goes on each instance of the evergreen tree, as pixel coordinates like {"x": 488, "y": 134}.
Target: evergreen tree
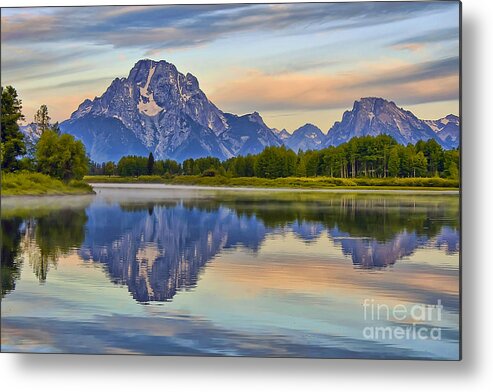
{"x": 300, "y": 165}
{"x": 12, "y": 140}
{"x": 42, "y": 119}
{"x": 150, "y": 164}
{"x": 420, "y": 164}
{"x": 188, "y": 167}
{"x": 394, "y": 163}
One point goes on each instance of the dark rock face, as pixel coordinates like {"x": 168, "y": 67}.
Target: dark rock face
{"x": 105, "y": 138}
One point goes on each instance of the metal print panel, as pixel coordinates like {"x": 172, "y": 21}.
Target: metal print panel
{"x": 268, "y": 180}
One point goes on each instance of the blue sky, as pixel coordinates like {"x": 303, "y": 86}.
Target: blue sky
{"x": 293, "y": 63}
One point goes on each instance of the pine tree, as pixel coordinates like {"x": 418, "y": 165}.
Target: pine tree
{"x": 420, "y": 164}
{"x": 150, "y": 164}
{"x": 42, "y": 119}
{"x": 12, "y": 139}
{"x": 393, "y": 163}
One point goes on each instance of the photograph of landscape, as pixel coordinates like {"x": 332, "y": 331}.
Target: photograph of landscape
{"x": 264, "y": 180}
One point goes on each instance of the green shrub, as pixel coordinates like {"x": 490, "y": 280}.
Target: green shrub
{"x": 210, "y": 173}
{"x": 285, "y": 182}
{"x": 29, "y": 183}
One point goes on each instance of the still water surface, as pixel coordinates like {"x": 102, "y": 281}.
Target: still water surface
{"x": 215, "y": 272}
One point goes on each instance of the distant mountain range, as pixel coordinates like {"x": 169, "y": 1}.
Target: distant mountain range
{"x": 160, "y": 110}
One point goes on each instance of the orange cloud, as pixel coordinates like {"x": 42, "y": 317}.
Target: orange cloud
{"x": 25, "y": 25}
{"x": 60, "y": 107}
{"x": 412, "y": 47}
{"x": 404, "y": 83}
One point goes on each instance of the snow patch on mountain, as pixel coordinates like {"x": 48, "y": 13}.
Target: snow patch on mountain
{"x": 147, "y": 105}
{"x": 158, "y": 109}
{"x": 170, "y": 115}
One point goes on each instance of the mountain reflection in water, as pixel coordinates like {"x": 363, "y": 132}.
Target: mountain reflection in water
{"x": 157, "y": 248}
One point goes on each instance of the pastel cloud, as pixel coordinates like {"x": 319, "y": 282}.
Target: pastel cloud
{"x": 404, "y": 83}
{"x": 175, "y": 26}
{"x": 418, "y": 41}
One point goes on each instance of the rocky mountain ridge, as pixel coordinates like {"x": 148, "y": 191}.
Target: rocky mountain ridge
{"x": 161, "y": 110}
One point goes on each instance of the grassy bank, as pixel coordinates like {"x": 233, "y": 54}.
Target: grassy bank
{"x": 289, "y": 182}
{"x": 35, "y": 184}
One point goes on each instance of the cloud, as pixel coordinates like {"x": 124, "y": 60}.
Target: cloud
{"x": 43, "y": 62}
{"x": 413, "y": 47}
{"x": 300, "y": 65}
{"x": 156, "y": 27}
{"x": 404, "y": 83}
{"x": 428, "y": 37}
{"x": 104, "y": 80}
{"x": 424, "y": 71}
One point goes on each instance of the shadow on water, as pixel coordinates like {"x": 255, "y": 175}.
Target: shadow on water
{"x": 157, "y": 248}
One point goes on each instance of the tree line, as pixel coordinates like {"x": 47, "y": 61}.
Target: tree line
{"x": 54, "y": 154}
{"x": 368, "y": 157}
{"x": 61, "y": 156}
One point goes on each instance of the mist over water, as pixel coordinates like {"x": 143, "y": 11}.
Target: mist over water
{"x": 188, "y": 271}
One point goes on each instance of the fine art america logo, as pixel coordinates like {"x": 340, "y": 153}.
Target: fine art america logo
{"x": 402, "y": 322}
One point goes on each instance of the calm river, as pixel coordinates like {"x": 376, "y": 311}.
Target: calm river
{"x": 188, "y": 271}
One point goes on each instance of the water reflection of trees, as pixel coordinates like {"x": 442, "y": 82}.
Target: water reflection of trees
{"x": 158, "y": 248}
{"x": 378, "y": 218}
{"x": 10, "y": 261}
{"x": 55, "y": 235}
{"x": 41, "y": 239}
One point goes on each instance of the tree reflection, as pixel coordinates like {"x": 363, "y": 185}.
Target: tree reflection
{"x": 42, "y": 239}
{"x": 10, "y": 261}
{"x": 55, "y": 234}
{"x": 159, "y": 248}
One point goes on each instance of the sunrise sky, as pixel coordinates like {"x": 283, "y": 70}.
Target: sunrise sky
{"x": 293, "y": 63}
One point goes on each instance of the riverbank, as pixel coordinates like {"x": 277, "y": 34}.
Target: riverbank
{"x": 433, "y": 184}
{"x": 37, "y": 184}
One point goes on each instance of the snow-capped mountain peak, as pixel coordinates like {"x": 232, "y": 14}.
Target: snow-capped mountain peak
{"x": 162, "y": 111}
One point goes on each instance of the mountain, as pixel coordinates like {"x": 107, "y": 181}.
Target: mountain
{"x": 447, "y": 129}
{"x": 281, "y": 134}
{"x": 31, "y": 133}
{"x": 375, "y": 116}
{"x": 248, "y": 134}
{"x": 160, "y": 110}
{"x": 308, "y": 137}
